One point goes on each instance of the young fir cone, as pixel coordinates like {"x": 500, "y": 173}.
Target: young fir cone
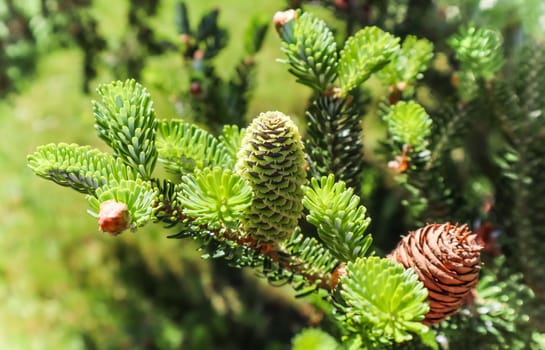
{"x": 447, "y": 260}
{"x": 271, "y": 159}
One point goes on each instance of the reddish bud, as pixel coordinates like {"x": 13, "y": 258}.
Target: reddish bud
{"x": 195, "y": 89}
{"x": 486, "y": 237}
{"x": 198, "y": 55}
{"x": 185, "y": 38}
{"x": 282, "y": 17}
{"x": 336, "y": 275}
{"x": 454, "y": 80}
{"x": 342, "y": 4}
{"x": 113, "y": 217}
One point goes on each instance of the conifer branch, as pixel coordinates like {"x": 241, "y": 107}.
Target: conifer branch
{"x": 334, "y": 142}
{"x": 183, "y": 147}
{"x": 80, "y": 167}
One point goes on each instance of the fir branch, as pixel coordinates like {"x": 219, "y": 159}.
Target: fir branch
{"x": 409, "y": 124}
{"x": 82, "y": 168}
{"x": 408, "y": 64}
{"x": 254, "y": 35}
{"x": 215, "y": 196}
{"x": 183, "y": 147}
{"x": 520, "y": 193}
{"x": 364, "y": 53}
{"x": 480, "y": 54}
{"x": 167, "y": 208}
{"x": 383, "y": 302}
{"x": 339, "y": 218}
{"x": 314, "y": 259}
{"x": 125, "y": 120}
{"x": 311, "y": 51}
{"x": 210, "y": 36}
{"x": 231, "y": 138}
{"x": 334, "y": 142}
{"x": 302, "y": 261}
{"x": 237, "y": 93}
{"x": 448, "y": 127}
{"x": 479, "y": 51}
{"x": 314, "y": 338}
{"x": 499, "y": 314}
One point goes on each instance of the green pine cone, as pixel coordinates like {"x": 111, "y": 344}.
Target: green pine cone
{"x": 271, "y": 159}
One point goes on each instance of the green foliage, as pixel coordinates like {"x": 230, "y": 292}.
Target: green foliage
{"x": 271, "y": 159}
{"x": 409, "y": 63}
{"x": 498, "y": 315}
{"x": 211, "y": 98}
{"x": 339, "y": 218}
{"x": 479, "y": 51}
{"x": 384, "y": 303}
{"x": 215, "y": 197}
{"x": 183, "y": 147}
{"x": 138, "y": 195}
{"x": 255, "y": 34}
{"x": 125, "y": 120}
{"x": 317, "y": 259}
{"x": 80, "y": 167}
{"x": 369, "y": 50}
{"x": 255, "y": 214}
{"x": 29, "y": 29}
{"x": 519, "y": 110}
{"x": 231, "y": 138}
{"x": 311, "y": 52}
{"x": 409, "y": 124}
{"x": 334, "y": 142}
{"x": 314, "y": 339}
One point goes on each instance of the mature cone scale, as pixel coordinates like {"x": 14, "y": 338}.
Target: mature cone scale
{"x": 271, "y": 159}
{"x": 447, "y": 260}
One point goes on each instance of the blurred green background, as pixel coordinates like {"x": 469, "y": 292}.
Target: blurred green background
{"x": 63, "y": 284}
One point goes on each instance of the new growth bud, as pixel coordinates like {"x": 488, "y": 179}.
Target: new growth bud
{"x": 281, "y": 19}
{"x": 113, "y": 217}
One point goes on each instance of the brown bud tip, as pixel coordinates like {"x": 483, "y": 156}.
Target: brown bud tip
{"x": 249, "y": 60}
{"x": 185, "y": 38}
{"x": 339, "y": 271}
{"x": 198, "y": 55}
{"x": 454, "y": 80}
{"x": 342, "y": 4}
{"x": 195, "y": 89}
{"x": 446, "y": 259}
{"x": 282, "y": 17}
{"x": 113, "y": 217}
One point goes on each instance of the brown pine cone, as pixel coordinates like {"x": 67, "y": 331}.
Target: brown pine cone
{"x": 447, "y": 260}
